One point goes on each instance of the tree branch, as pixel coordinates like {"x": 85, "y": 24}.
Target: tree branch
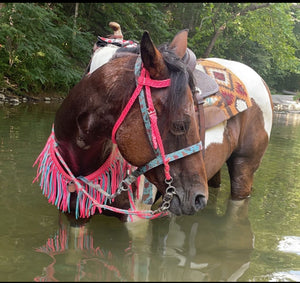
{"x": 253, "y": 7}
{"x": 220, "y": 30}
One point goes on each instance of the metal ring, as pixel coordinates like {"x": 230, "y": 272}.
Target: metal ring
{"x": 165, "y": 205}
{"x": 168, "y": 182}
{"x": 171, "y": 190}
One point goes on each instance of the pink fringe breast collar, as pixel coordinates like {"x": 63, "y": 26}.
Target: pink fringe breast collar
{"x": 54, "y": 180}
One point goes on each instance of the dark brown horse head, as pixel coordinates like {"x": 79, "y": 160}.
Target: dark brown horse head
{"x": 85, "y": 121}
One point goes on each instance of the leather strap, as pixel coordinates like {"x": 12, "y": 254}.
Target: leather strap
{"x": 200, "y": 101}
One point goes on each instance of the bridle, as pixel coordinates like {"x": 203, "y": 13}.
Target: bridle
{"x": 150, "y": 121}
{"x": 199, "y": 101}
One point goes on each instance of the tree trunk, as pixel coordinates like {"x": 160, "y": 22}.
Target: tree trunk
{"x": 219, "y": 31}
{"x": 75, "y": 19}
{"x": 213, "y": 41}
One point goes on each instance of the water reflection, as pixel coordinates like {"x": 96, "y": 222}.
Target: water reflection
{"x": 214, "y": 245}
{"x": 290, "y": 244}
{"x": 84, "y": 254}
{"x": 293, "y": 276}
{"x": 208, "y": 247}
{"x": 286, "y": 118}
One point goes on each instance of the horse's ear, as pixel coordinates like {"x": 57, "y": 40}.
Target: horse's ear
{"x": 152, "y": 58}
{"x": 179, "y": 43}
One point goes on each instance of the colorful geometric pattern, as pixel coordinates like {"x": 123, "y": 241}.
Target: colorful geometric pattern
{"x": 232, "y": 97}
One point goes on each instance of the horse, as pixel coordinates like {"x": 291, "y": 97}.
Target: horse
{"x": 104, "y": 141}
{"x": 198, "y": 140}
{"x": 238, "y": 139}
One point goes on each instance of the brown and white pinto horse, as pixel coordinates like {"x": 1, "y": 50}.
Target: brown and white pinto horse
{"x": 102, "y": 108}
{"x": 86, "y": 123}
{"x": 240, "y": 141}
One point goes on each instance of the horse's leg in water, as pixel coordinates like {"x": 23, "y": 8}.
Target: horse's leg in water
{"x": 246, "y": 158}
{"x": 215, "y": 181}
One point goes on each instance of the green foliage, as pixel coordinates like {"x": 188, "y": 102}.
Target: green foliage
{"x": 265, "y": 37}
{"x": 38, "y": 52}
{"x": 134, "y": 19}
{"x": 272, "y": 28}
{"x": 46, "y": 47}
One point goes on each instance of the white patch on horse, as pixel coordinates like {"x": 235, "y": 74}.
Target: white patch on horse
{"x": 254, "y": 85}
{"x": 101, "y": 56}
{"x": 215, "y": 134}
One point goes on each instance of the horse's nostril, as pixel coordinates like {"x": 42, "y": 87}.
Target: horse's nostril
{"x": 200, "y": 202}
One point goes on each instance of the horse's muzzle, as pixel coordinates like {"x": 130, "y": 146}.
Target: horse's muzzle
{"x": 190, "y": 206}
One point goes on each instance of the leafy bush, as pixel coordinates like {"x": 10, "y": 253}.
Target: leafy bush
{"x": 38, "y": 50}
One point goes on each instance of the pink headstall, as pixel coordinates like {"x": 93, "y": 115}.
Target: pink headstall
{"x": 145, "y": 80}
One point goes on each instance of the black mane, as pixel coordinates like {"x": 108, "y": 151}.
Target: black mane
{"x": 180, "y": 77}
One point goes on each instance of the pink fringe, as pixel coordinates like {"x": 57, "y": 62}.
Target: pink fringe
{"x": 54, "y": 180}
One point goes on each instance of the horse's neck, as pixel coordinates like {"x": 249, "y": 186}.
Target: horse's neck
{"x": 84, "y": 162}
{"x": 99, "y": 156}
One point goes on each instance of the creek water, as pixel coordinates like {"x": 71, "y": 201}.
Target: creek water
{"x": 257, "y": 239}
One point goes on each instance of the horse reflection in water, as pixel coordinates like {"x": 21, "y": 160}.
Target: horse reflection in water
{"x": 209, "y": 247}
{"x": 78, "y": 254}
{"x": 204, "y": 247}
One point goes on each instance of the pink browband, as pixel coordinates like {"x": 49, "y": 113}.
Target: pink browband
{"x": 145, "y": 80}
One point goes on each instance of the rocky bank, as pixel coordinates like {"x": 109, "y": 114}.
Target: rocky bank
{"x": 282, "y": 102}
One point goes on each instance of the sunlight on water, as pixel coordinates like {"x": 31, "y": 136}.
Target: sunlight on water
{"x": 286, "y": 276}
{"x": 290, "y": 244}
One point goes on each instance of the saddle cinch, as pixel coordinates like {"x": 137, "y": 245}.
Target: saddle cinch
{"x": 221, "y": 101}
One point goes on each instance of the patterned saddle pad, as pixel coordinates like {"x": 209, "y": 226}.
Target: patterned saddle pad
{"x": 232, "y": 97}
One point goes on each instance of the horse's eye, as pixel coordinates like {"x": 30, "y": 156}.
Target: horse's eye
{"x": 180, "y": 127}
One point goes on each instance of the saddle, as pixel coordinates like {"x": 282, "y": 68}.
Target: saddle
{"x": 205, "y": 86}
{"x": 221, "y": 100}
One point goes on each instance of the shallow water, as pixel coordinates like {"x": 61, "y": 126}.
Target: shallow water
{"x": 253, "y": 240}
